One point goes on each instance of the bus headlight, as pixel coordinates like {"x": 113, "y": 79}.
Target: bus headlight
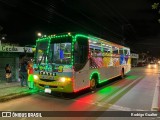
{"x": 149, "y": 66}
{"x": 155, "y": 66}
{"x": 35, "y": 77}
{"x": 64, "y": 79}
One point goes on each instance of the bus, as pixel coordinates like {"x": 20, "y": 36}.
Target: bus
{"x": 72, "y": 62}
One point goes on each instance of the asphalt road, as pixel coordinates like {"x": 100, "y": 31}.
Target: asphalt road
{"x": 136, "y": 92}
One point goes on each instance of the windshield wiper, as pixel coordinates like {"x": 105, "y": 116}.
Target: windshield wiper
{"x": 43, "y": 56}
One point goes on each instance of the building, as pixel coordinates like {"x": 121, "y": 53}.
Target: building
{"x": 10, "y": 54}
{"x": 134, "y": 59}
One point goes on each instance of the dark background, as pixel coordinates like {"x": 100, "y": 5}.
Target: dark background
{"x": 128, "y": 22}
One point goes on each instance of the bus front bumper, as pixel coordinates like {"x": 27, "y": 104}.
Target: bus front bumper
{"x": 54, "y": 86}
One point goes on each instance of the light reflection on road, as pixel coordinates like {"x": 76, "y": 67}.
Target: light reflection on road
{"x": 151, "y": 70}
{"x": 103, "y": 94}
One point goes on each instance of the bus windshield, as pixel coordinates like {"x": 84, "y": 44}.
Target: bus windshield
{"x": 60, "y": 51}
{"x": 41, "y": 52}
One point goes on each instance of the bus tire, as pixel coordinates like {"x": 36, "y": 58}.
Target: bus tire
{"x": 93, "y": 84}
{"x": 122, "y": 73}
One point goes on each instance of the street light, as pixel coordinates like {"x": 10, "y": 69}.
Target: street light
{"x": 39, "y": 34}
{"x": 3, "y": 38}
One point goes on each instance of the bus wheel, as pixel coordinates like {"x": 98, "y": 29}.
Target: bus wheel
{"x": 122, "y": 73}
{"x": 93, "y": 84}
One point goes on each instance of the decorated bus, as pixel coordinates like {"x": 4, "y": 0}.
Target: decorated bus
{"x": 72, "y": 62}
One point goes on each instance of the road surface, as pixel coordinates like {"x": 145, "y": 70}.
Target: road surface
{"x": 136, "y": 92}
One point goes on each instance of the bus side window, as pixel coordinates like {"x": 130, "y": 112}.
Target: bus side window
{"x": 121, "y": 51}
{"x": 77, "y": 53}
{"x": 91, "y": 52}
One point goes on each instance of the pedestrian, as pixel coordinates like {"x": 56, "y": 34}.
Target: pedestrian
{"x": 23, "y": 73}
{"x": 8, "y": 73}
{"x": 30, "y": 75}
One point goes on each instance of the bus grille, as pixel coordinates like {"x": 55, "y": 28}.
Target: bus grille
{"x": 47, "y": 80}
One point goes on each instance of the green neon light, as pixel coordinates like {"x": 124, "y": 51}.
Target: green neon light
{"x": 86, "y": 36}
{"x": 35, "y": 57}
{"x": 49, "y": 42}
{"x": 42, "y": 39}
{"x": 102, "y": 81}
{"x": 52, "y": 36}
{"x": 74, "y": 38}
{"x": 48, "y": 39}
{"x": 72, "y": 49}
{"x": 95, "y": 72}
{"x": 132, "y": 77}
{"x": 99, "y": 80}
{"x": 80, "y": 35}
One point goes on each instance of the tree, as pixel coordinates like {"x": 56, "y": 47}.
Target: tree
{"x": 1, "y": 28}
{"x": 156, "y": 6}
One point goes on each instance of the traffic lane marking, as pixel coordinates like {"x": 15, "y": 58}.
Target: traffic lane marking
{"x": 106, "y": 104}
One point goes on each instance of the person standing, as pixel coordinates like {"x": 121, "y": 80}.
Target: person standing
{"x": 23, "y": 74}
{"x": 30, "y": 75}
{"x": 8, "y": 73}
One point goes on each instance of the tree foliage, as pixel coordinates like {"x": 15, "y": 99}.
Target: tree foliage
{"x": 156, "y": 6}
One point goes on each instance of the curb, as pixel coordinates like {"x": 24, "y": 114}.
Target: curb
{"x": 156, "y": 97}
{"x": 17, "y": 95}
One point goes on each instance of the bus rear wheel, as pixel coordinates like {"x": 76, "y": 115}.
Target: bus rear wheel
{"x": 93, "y": 84}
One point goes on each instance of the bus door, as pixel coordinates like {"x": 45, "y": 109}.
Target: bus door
{"x": 81, "y": 63}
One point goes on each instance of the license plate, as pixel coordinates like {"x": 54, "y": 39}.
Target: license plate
{"x": 47, "y": 90}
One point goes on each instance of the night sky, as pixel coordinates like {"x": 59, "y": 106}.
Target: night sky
{"x": 129, "y": 22}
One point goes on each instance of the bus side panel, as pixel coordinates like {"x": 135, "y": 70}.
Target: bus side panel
{"x": 109, "y": 72}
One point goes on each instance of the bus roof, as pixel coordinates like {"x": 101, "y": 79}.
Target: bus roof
{"x": 90, "y": 37}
